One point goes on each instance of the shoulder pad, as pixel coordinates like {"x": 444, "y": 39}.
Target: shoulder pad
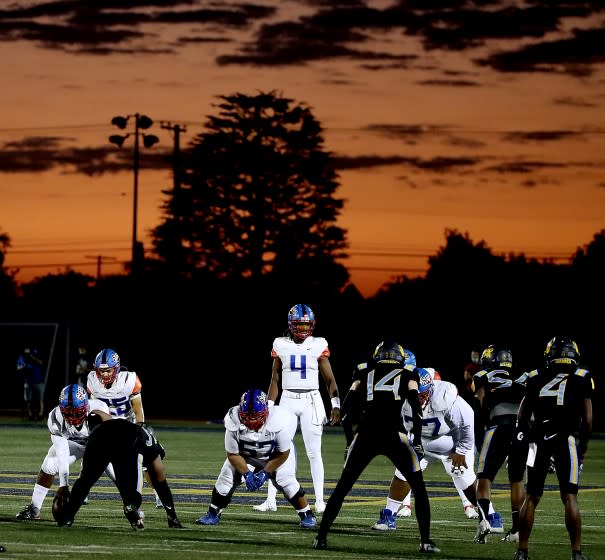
{"x": 231, "y": 419}
{"x": 444, "y": 395}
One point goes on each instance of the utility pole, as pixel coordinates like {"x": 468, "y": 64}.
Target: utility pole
{"x": 141, "y": 122}
{"x": 176, "y": 130}
{"x": 100, "y": 259}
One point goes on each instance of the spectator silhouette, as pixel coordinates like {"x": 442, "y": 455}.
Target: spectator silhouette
{"x": 30, "y": 364}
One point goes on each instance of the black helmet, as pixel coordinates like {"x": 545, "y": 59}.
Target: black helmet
{"x": 497, "y": 357}
{"x": 562, "y": 350}
{"x": 389, "y": 351}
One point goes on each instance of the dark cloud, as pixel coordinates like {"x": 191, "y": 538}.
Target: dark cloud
{"x": 530, "y": 36}
{"x": 38, "y": 154}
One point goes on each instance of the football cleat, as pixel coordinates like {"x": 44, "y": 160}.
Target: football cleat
{"x": 136, "y": 517}
{"x": 267, "y": 505}
{"x": 510, "y": 536}
{"x": 29, "y": 513}
{"x": 320, "y": 543}
{"x": 520, "y": 555}
{"x": 174, "y": 523}
{"x": 211, "y": 517}
{"x": 320, "y": 507}
{"x": 309, "y": 521}
{"x": 496, "y": 523}
{"x": 483, "y": 529}
{"x": 404, "y": 511}
{"x": 428, "y": 548}
{"x": 387, "y": 521}
{"x": 578, "y": 556}
{"x": 471, "y": 512}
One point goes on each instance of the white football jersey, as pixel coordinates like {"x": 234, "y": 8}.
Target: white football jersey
{"x": 117, "y": 397}
{"x": 257, "y": 447}
{"x": 446, "y": 414}
{"x": 300, "y": 367}
{"x": 59, "y": 427}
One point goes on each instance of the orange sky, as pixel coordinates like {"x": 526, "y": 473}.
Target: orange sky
{"x": 501, "y": 137}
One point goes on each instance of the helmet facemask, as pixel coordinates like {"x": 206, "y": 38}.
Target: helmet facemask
{"x": 301, "y": 321}
{"x": 253, "y": 409}
{"x": 107, "y": 366}
{"x": 73, "y": 404}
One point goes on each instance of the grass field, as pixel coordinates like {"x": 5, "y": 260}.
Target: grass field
{"x": 194, "y": 456}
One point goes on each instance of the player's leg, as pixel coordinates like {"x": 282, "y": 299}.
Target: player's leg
{"x": 312, "y": 433}
{"x": 226, "y": 483}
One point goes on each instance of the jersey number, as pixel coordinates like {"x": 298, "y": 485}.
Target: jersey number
{"x": 390, "y": 382}
{"x": 302, "y": 367}
{"x": 119, "y": 406}
{"x": 555, "y": 388}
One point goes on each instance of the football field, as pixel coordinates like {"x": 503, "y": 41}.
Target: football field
{"x": 195, "y": 454}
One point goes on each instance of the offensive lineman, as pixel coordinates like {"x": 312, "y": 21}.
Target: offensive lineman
{"x": 258, "y": 442}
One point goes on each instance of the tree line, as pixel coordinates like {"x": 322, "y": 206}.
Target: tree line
{"x": 248, "y": 229}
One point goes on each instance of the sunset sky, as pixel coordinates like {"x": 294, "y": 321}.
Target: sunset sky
{"x": 486, "y": 117}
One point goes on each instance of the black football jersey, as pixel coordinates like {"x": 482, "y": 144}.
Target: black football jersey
{"x": 556, "y": 398}
{"x": 503, "y": 392}
{"x": 383, "y": 389}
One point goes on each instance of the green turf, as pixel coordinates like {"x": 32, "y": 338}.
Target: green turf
{"x": 195, "y": 454}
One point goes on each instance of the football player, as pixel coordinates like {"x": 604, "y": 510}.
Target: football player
{"x": 447, "y": 436}
{"x": 120, "y": 389}
{"x": 298, "y": 359}
{"x": 559, "y": 396}
{"x": 379, "y": 387}
{"x": 129, "y": 448}
{"x": 69, "y": 431}
{"x": 499, "y": 395}
{"x": 259, "y": 447}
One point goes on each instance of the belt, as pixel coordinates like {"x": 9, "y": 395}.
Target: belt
{"x": 295, "y": 395}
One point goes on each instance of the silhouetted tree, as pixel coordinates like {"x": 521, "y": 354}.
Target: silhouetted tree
{"x": 8, "y": 286}
{"x": 257, "y": 199}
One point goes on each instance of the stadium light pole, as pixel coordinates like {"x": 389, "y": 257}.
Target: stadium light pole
{"x": 141, "y": 122}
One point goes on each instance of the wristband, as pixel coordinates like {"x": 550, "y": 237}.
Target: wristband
{"x": 335, "y": 402}
{"x": 270, "y": 403}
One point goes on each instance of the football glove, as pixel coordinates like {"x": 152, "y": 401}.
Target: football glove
{"x": 417, "y": 447}
{"x": 260, "y": 478}
{"x": 250, "y": 481}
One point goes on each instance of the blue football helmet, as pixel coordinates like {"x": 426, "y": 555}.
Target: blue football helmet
{"x": 73, "y": 404}
{"x": 426, "y": 387}
{"x": 301, "y": 321}
{"x": 409, "y": 358}
{"x": 391, "y": 352}
{"x": 253, "y": 409}
{"x": 107, "y": 366}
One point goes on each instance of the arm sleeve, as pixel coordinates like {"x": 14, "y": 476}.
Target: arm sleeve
{"x": 62, "y": 452}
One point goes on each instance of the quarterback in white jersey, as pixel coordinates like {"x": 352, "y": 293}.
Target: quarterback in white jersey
{"x": 298, "y": 359}
{"x": 259, "y": 446}
{"x": 69, "y": 431}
